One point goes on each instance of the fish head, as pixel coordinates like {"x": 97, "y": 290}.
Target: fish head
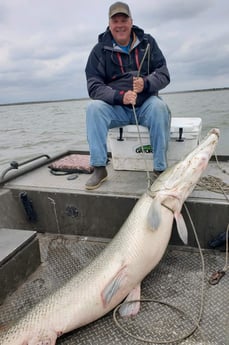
{"x": 178, "y": 181}
{"x": 200, "y": 156}
{"x": 173, "y": 187}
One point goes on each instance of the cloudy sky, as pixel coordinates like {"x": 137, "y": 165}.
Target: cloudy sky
{"x": 44, "y": 44}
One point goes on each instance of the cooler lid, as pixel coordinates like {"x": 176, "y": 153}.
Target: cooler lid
{"x": 134, "y": 129}
{"x": 188, "y": 124}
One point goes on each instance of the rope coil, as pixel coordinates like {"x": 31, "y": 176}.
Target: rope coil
{"x": 213, "y": 184}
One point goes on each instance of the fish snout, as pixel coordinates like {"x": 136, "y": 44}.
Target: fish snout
{"x": 215, "y": 131}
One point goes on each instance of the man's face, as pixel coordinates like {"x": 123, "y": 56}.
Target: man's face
{"x": 120, "y": 26}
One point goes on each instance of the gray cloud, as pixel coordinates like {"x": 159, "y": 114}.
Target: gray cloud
{"x": 44, "y": 45}
{"x": 171, "y": 12}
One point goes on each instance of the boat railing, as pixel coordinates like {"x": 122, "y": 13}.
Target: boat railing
{"x": 14, "y": 165}
{"x": 17, "y": 169}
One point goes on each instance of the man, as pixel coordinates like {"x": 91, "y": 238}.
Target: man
{"x": 125, "y": 70}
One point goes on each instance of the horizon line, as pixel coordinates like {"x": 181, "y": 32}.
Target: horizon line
{"x": 85, "y": 98}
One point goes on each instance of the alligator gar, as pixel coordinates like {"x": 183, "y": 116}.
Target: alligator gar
{"x": 116, "y": 273}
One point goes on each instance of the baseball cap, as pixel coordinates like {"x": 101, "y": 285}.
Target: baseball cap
{"x": 119, "y": 7}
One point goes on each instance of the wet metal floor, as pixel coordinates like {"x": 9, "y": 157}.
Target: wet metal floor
{"x": 176, "y": 280}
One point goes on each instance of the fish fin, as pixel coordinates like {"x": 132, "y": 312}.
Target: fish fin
{"x": 154, "y": 215}
{"x": 131, "y": 309}
{"x": 181, "y": 227}
{"x": 113, "y": 286}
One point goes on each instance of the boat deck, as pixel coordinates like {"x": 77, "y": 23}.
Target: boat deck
{"x": 62, "y": 205}
{"x": 120, "y": 182}
{"x": 177, "y": 280}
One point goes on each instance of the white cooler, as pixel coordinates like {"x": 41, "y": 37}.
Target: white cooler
{"x": 126, "y": 147}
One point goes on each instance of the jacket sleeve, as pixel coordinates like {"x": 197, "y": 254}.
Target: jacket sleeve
{"x": 96, "y": 77}
{"x": 159, "y": 77}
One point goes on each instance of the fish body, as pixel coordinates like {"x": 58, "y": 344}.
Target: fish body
{"x": 116, "y": 273}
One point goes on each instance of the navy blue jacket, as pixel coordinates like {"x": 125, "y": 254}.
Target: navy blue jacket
{"x": 110, "y": 70}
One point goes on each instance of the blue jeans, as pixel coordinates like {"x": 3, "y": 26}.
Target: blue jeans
{"x": 153, "y": 114}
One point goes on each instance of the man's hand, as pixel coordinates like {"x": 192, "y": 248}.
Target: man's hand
{"x": 129, "y": 97}
{"x": 138, "y": 84}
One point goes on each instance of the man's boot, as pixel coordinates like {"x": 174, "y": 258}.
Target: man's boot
{"x": 99, "y": 175}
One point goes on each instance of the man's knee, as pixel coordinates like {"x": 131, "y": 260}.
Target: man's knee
{"x": 159, "y": 110}
{"x": 158, "y": 104}
{"x": 95, "y": 111}
{"x": 94, "y": 105}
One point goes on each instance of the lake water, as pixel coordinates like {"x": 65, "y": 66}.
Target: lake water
{"x": 28, "y": 130}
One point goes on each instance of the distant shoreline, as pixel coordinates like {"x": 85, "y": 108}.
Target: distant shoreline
{"x": 87, "y": 98}
{"x": 197, "y": 90}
